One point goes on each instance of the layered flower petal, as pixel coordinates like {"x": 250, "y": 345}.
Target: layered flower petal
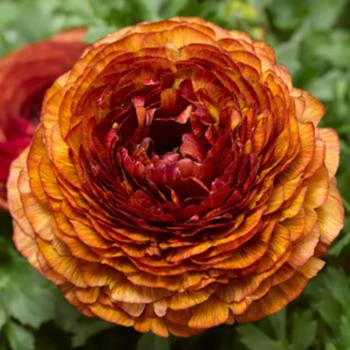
{"x": 25, "y": 75}
{"x": 177, "y": 181}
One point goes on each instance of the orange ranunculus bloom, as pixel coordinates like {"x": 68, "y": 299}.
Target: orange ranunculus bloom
{"x": 24, "y": 77}
{"x": 177, "y": 181}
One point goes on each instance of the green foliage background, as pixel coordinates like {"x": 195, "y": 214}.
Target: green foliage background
{"x": 311, "y": 37}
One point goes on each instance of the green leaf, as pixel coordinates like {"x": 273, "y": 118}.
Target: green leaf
{"x": 323, "y": 87}
{"x": 288, "y": 52}
{"x": 261, "y": 3}
{"x": 278, "y": 322}
{"x": 19, "y": 337}
{"x": 95, "y": 33}
{"x": 329, "y": 310}
{"x": 342, "y": 242}
{"x": 324, "y": 13}
{"x": 8, "y": 13}
{"x": 28, "y": 297}
{"x": 152, "y": 8}
{"x": 332, "y": 48}
{"x": 339, "y": 286}
{"x": 86, "y": 329}
{"x": 303, "y": 331}
{"x": 330, "y": 346}
{"x": 38, "y": 21}
{"x": 172, "y": 8}
{"x": 84, "y": 9}
{"x": 255, "y": 339}
{"x": 4, "y": 279}
{"x": 288, "y": 14}
{"x": 68, "y": 318}
{"x": 150, "y": 341}
{"x": 3, "y": 315}
{"x": 66, "y": 315}
{"x": 344, "y": 340}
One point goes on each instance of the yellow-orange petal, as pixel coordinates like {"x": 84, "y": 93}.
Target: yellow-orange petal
{"x": 209, "y": 314}
{"x": 113, "y": 315}
{"x": 331, "y": 217}
{"x": 313, "y": 109}
{"x": 331, "y": 139}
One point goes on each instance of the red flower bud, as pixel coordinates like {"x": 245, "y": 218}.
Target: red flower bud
{"x": 24, "y": 77}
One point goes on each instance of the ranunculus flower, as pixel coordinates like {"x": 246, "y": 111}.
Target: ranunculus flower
{"x": 24, "y": 77}
{"x": 177, "y": 181}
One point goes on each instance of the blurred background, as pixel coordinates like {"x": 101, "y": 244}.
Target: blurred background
{"x": 312, "y": 38}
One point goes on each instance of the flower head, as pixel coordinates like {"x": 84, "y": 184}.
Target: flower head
{"x": 177, "y": 181}
{"x": 24, "y": 77}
